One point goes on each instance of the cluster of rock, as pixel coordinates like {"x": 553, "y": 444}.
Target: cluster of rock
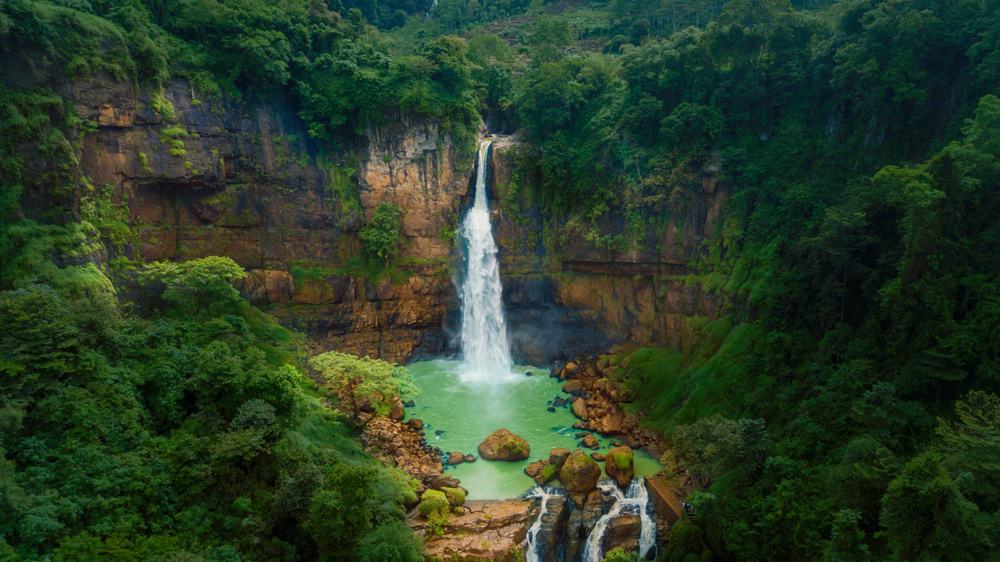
{"x": 597, "y": 400}
{"x": 457, "y": 457}
{"x": 403, "y": 446}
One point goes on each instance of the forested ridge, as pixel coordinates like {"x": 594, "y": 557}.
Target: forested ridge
{"x": 843, "y": 405}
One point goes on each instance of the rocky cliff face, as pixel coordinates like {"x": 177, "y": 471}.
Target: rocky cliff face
{"x": 566, "y": 296}
{"x": 242, "y": 180}
{"x": 223, "y": 177}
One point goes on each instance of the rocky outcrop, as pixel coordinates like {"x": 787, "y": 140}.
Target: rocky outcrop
{"x": 582, "y": 296}
{"x": 619, "y": 464}
{"x": 582, "y": 518}
{"x": 599, "y": 406}
{"x": 503, "y": 445}
{"x": 579, "y": 474}
{"x": 486, "y": 530}
{"x": 623, "y": 532}
{"x": 220, "y": 176}
{"x": 544, "y": 470}
{"x": 552, "y": 531}
{"x": 400, "y": 445}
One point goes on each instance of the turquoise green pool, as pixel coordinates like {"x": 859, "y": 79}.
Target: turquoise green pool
{"x": 458, "y": 414}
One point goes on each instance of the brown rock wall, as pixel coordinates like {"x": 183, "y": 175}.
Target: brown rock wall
{"x": 249, "y": 184}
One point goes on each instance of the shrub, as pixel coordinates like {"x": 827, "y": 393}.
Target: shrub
{"x": 382, "y": 234}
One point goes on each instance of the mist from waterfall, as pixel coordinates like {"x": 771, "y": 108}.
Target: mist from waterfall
{"x": 485, "y": 348}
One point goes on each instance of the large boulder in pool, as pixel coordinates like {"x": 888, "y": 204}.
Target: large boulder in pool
{"x": 579, "y": 473}
{"x": 620, "y": 465}
{"x": 502, "y": 445}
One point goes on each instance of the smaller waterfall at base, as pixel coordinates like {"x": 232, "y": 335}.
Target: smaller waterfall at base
{"x": 485, "y": 349}
{"x": 635, "y": 500}
{"x": 531, "y": 540}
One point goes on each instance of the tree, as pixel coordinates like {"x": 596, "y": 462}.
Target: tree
{"x": 198, "y": 285}
{"x": 971, "y": 444}
{"x": 927, "y": 517}
{"x": 713, "y": 445}
{"x": 382, "y": 234}
{"x": 361, "y": 381}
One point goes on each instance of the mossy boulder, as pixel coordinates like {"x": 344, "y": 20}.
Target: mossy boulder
{"x": 502, "y": 445}
{"x": 579, "y": 473}
{"x": 434, "y": 502}
{"x": 619, "y": 464}
{"x": 549, "y": 472}
{"x": 434, "y": 506}
{"x": 456, "y": 496}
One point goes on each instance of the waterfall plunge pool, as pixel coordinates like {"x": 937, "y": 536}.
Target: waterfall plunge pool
{"x": 466, "y": 410}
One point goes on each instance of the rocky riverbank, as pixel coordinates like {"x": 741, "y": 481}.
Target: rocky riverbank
{"x": 597, "y": 398}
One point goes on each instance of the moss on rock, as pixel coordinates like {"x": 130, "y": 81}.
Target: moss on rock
{"x": 456, "y": 496}
{"x": 502, "y": 445}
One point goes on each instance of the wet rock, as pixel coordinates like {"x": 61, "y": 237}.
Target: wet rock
{"x": 455, "y": 457}
{"x": 609, "y": 424}
{"x": 580, "y": 409}
{"x": 503, "y": 445}
{"x": 560, "y": 402}
{"x": 470, "y": 458}
{"x": 551, "y": 409}
{"x": 574, "y": 387}
{"x": 439, "y": 432}
{"x": 619, "y": 464}
{"x": 590, "y": 442}
{"x": 623, "y": 532}
{"x": 528, "y": 373}
{"x": 585, "y": 512}
{"x": 552, "y": 530}
{"x": 558, "y": 456}
{"x": 534, "y": 468}
{"x": 416, "y": 423}
{"x": 409, "y": 403}
{"x": 541, "y": 471}
{"x": 579, "y": 474}
{"x": 597, "y": 456}
{"x": 570, "y": 370}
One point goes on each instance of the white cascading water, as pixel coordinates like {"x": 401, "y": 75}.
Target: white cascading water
{"x": 635, "y": 500}
{"x": 531, "y": 541}
{"x": 485, "y": 350}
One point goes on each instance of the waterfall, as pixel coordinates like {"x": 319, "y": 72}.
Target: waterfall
{"x": 635, "y": 500}
{"x": 531, "y": 541}
{"x": 485, "y": 350}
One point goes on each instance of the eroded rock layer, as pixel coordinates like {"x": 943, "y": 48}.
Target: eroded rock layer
{"x": 224, "y": 177}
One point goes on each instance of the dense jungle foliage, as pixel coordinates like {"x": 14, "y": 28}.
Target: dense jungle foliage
{"x": 845, "y": 406}
{"x": 852, "y": 376}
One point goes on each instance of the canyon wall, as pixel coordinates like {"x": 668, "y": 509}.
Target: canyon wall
{"x": 566, "y": 296}
{"x": 244, "y": 181}
{"x": 240, "y": 179}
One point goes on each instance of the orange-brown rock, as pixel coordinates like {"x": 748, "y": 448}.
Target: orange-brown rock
{"x": 486, "y": 530}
